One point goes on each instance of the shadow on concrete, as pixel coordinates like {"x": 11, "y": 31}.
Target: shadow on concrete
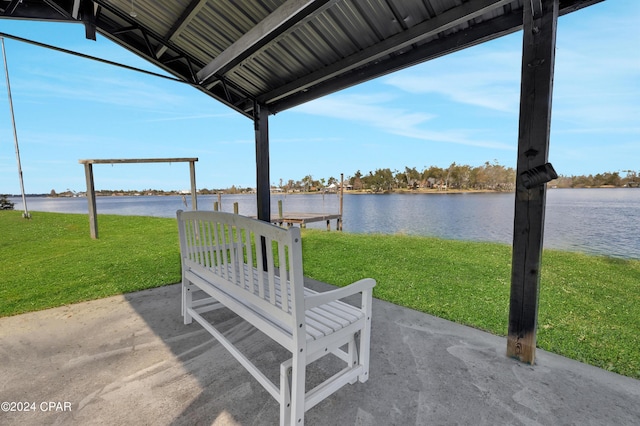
{"x": 130, "y": 360}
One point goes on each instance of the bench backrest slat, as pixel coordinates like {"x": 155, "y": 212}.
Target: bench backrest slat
{"x": 283, "y": 272}
{"x": 268, "y": 246}
{"x": 218, "y": 234}
{"x": 251, "y": 259}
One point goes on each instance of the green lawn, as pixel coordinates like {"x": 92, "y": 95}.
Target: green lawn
{"x": 50, "y": 260}
{"x": 589, "y": 306}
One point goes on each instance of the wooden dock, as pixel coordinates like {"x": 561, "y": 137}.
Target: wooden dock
{"x": 301, "y": 219}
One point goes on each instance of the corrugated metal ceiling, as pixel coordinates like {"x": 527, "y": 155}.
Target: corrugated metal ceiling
{"x": 283, "y": 53}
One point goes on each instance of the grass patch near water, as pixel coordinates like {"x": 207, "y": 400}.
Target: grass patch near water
{"x": 589, "y": 306}
{"x": 50, "y": 260}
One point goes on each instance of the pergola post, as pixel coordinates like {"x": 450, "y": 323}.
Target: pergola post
{"x": 263, "y": 187}
{"x": 539, "y": 41}
{"x": 91, "y": 197}
{"x": 192, "y": 175}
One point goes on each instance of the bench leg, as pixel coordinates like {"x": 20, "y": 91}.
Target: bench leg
{"x": 187, "y": 302}
{"x": 298, "y": 374}
{"x": 365, "y": 336}
{"x": 285, "y": 393}
{"x": 352, "y": 359}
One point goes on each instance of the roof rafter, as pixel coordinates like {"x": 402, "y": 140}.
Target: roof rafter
{"x": 442, "y": 22}
{"x": 187, "y": 16}
{"x": 502, "y": 25}
{"x": 279, "y": 21}
{"x": 12, "y": 7}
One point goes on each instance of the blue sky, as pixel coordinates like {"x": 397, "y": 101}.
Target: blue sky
{"x": 462, "y": 108}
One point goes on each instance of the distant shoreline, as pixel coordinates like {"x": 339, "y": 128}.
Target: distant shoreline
{"x": 354, "y": 192}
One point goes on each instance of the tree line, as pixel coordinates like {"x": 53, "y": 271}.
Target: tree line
{"x": 607, "y": 179}
{"x": 491, "y": 176}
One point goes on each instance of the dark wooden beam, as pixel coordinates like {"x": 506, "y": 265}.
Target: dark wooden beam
{"x": 89, "y": 19}
{"x": 477, "y": 34}
{"x": 12, "y": 7}
{"x": 129, "y": 37}
{"x": 285, "y": 17}
{"x": 538, "y": 58}
{"x": 190, "y": 12}
{"x": 423, "y": 31}
{"x": 263, "y": 186}
{"x": 316, "y": 86}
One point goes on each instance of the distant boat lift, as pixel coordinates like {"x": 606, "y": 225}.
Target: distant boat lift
{"x": 91, "y": 193}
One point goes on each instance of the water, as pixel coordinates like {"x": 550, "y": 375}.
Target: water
{"x": 595, "y": 221}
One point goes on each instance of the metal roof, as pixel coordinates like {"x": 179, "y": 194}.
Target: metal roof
{"x": 282, "y": 53}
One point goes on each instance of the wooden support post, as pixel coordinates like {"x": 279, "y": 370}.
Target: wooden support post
{"x": 263, "y": 187}
{"x": 236, "y": 208}
{"x": 539, "y": 40}
{"x": 192, "y": 174}
{"x": 91, "y": 198}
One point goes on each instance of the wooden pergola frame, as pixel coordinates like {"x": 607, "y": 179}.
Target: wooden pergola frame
{"x": 91, "y": 193}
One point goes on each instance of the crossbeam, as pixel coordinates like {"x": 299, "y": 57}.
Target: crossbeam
{"x": 138, "y": 160}
{"x": 91, "y": 192}
{"x": 283, "y": 18}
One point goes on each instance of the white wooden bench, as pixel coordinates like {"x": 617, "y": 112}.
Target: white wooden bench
{"x": 255, "y": 269}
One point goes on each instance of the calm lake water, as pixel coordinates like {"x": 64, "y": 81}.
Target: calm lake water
{"x": 596, "y": 221}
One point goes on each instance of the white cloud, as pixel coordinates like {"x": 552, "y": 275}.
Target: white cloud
{"x": 483, "y": 78}
{"x": 121, "y": 92}
{"x": 372, "y": 110}
{"x": 597, "y": 75}
{"x": 461, "y": 137}
{"x": 33, "y": 78}
{"x": 365, "y": 109}
{"x": 596, "y": 81}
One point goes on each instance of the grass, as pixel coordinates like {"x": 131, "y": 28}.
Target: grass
{"x": 51, "y": 260}
{"x": 589, "y": 306}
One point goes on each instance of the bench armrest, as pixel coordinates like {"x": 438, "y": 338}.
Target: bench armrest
{"x": 361, "y": 286}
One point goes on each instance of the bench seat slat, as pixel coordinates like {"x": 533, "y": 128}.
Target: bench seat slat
{"x": 324, "y": 314}
{"x": 343, "y": 310}
{"x": 320, "y": 316}
{"x": 321, "y": 321}
{"x": 321, "y": 327}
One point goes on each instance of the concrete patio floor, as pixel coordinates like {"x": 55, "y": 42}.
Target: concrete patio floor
{"x": 130, "y": 360}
